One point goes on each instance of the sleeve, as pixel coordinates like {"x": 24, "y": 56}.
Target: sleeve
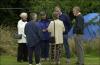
{"x": 18, "y": 27}
{"x": 39, "y": 32}
{"x": 25, "y": 30}
{"x": 81, "y": 20}
{"x": 50, "y": 26}
{"x": 63, "y": 27}
{"x": 24, "y": 34}
{"x": 68, "y": 22}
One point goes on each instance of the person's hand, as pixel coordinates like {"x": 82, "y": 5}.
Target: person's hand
{"x": 44, "y": 30}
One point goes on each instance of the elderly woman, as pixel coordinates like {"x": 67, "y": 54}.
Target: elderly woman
{"x": 43, "y": 25}
{"x": 34, "y": 37}
{"x": 56, "y": 28}
{"x": 22, "y": 48}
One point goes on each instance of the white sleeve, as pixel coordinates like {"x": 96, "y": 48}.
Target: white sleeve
{"x": 50, "y": 26}
{"x": 18, "y": 27}
{"x": 24, "y": 30}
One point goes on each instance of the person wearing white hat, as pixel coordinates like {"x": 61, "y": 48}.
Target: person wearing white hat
{"x": 22, "y": 53}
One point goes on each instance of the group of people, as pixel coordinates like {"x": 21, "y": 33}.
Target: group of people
{"x": 36, "y": 35}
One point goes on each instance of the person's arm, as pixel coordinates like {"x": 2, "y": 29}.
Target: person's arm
{"x": 50, "y": 26}
{"x": 25, "y": 29}
{"x": 68, "y": 22}
{"x": 81, "y": 22}
{"x": 18, "y": 27}
{"x": 63, "y": 27}
{"x": 44, "y": 30}
{"x": 38, "y": 31}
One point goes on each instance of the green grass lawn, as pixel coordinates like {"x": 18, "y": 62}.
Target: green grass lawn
{"x": 11, "y": 60}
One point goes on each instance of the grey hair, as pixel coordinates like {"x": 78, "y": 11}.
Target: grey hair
{"x": 33, "y": 16}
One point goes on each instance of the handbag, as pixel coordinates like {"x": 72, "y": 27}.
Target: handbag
{"x": 52, "y": 38}
{"x": 17, "y": 36}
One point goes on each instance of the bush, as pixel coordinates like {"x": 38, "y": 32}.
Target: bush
{"x": 8, "y": 45}
{"x": 9, "y": 16}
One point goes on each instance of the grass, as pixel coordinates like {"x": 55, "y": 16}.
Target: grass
{"x": 11, "y": 60}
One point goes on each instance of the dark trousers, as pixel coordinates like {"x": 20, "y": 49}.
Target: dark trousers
{"x": 66, "y": 45}
{"x": 22, "y": 54}
{"x": 45, "y": 49}
{"x": 36, "y": 50}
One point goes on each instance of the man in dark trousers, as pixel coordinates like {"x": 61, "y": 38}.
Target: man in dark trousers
{"x": 78, "y": 31}
{"x": 33, "y": 36}
{"x": 67, "y": 23}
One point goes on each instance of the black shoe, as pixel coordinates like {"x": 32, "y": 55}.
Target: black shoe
{"x": 79, "y": 64}
{"x": 19, "y": 61}
{"x": 25, "y": 60}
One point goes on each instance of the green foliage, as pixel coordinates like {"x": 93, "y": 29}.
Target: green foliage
{"x": 10, "y": 16}
{"x": 7, "y": 42}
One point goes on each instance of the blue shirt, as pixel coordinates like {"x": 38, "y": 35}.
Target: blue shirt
{"x": 43, "y": 24}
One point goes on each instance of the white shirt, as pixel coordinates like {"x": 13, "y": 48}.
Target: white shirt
{"x": 21, "y": 27}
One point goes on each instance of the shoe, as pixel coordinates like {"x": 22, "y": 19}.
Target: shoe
{"x": 19, "y": 61}
{"x": 25, "y": 60}
{"x": 58, "y": 62}
{"x": 30, "y": 64}
{"x": 47, "y": 59}
{"x": 38, "y": 64}
{"x": 80, "y": 64}
{"x": 68, "y": 61}
{"x": 77, "y": 63}
{"x": 42, "y": 59}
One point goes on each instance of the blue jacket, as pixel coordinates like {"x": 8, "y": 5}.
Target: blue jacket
{"x": 43, "y": 24}
{"x": 33, "y": 34}
{"x": 66, "y": 21}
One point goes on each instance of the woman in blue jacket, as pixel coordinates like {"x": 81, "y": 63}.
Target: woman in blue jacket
{"x": 43, "y": 25}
